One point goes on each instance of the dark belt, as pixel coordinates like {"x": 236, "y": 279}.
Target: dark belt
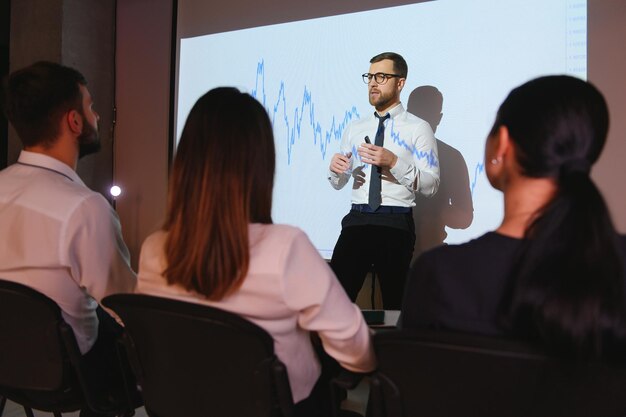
{"x": 365, "y": 208}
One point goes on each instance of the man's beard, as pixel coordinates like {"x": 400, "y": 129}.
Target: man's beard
{"x": 88, "y": 140}
{"x": 383, "y": 101}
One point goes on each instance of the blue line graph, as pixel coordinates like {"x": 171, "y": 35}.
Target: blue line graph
{"x": 293, "y": 125}
{"x": 294, "y": 128}
{"x": 479, "y": 169}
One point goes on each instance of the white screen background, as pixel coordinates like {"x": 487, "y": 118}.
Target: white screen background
{"x": 308, "y": 76}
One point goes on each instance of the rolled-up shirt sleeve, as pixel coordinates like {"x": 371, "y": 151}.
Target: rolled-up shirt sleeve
{"x": 420, "y": 174}
{"x": 338, "y": 181}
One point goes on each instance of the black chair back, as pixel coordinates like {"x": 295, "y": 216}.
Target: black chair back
{"x": 32, "y": 356}
{"x": 193, "y": 360}
{"x": 433, "y": 374}
{"x": 41, "y": 366}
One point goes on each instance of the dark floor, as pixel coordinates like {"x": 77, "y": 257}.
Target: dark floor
{"x": 356, "y": 401}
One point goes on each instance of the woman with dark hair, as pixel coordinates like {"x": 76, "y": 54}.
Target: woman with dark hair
{"x": 219, "y": 247}
{"x": 553, "y": 272}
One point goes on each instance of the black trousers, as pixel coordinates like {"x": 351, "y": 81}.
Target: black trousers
{"x": 318, "y": 403}
{"x": 108, "y": 374}
{"x": 387, "y": 250}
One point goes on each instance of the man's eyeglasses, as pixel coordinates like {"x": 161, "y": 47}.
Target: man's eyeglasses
{"x": 379, "y": 77}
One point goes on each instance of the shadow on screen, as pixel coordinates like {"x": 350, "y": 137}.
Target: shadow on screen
{"x": 452, "y": 206}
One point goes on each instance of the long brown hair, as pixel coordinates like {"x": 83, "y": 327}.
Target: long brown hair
{"x": 221, "y": 181}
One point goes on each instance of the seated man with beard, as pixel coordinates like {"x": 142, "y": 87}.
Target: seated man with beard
{"x": 56, "y": 235}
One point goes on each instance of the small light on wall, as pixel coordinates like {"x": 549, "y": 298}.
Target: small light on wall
{"x": 115, "y": 191}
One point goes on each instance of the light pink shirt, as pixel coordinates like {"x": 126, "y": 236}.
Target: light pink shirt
{"x": 289, "y": 291}
{"x": 62, "y": 239}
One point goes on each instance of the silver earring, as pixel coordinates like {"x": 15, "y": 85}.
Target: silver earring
{"x": 495, "y": 161}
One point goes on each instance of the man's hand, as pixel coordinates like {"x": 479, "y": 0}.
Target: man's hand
{"x": 340, "y": 163}
{"x": 359, "y": 177}
{"x": 377, "y": 155}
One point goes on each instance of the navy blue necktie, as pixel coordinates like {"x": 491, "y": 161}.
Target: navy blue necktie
{"x": 375, "y": 198}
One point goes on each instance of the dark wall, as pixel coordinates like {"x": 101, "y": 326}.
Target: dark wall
{"x": 89, "y": 45}
{"x": 80, "y": 34}
{"x": 5, "y": 19}
{"x": 607, "y": 66}
{"x": 142, "y": 94}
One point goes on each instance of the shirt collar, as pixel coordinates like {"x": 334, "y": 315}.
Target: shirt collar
{"x": 395, "y": 110}
{"x": 47, "y": 162}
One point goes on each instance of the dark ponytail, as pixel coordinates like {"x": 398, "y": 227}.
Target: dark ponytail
{"x": 568, "y": 286}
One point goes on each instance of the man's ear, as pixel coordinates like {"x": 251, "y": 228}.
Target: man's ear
{"x": 401, "y": 82}
{"x": 74, "y": 121}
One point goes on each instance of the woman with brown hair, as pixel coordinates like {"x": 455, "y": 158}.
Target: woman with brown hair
{"x": 219, "y": 247}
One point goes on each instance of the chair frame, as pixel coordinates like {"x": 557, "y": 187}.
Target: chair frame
{"x": 52, "y": 378}
{"x": 148, "y": 362}
{"x": 429, "y": 373}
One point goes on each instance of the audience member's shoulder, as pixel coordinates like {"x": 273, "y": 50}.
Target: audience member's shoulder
{"x": 278, "y": 229}
{"x": 155, "y": 240}
{"x": 478, "y": 247}
{"x": 57, "y": 184}
{"x": 90, "y": 201}
{"x": 272, "y": 246}
{"x": 278, "y": 232}
{"x": 153, "y": 245}
{"x": 63, "y": 197}
{"x": 152, "y": 256}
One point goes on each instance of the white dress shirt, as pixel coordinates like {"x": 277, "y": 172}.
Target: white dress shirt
{"x": 417, "y": 169}
{"x": 61, "y": 239}
{"x": 289, "y": 291}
